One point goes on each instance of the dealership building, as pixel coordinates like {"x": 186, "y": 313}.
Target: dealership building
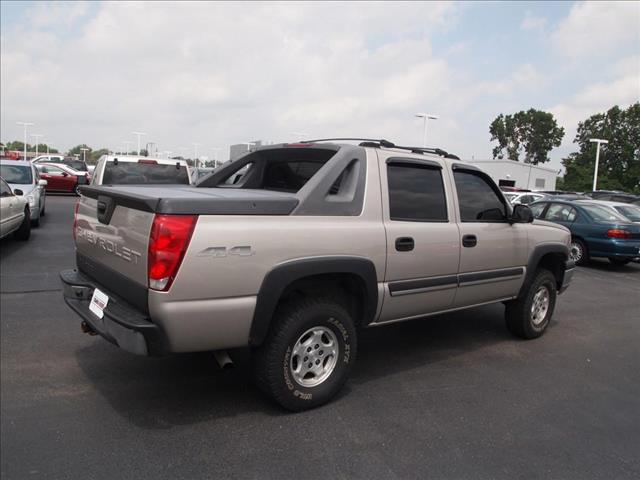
{"x": 509, "y": 173}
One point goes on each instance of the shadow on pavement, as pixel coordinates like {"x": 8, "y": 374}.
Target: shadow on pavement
{"x": 158, "y": 393}
{"x": 605, "y": 265}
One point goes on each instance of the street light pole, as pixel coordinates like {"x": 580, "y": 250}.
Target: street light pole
{"x": 195, "y": 153}
{"x": 25, "y": 125}
{"x": 84, "y": 154}
{"x": 426, "y": 116}
{"x": 126, "y": 146}
{"x": 215, "y": 156}
{"x": 597, "y": 141}
{"x": 37, "y": 136}
{"x": 139, "y": 134}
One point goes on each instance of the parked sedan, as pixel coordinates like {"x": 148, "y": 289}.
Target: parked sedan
{"x": 595, "y": 231}
{"x": 25, "y": 177}
{"x": 61, "y": 178}
{"x": 15, "y": 215}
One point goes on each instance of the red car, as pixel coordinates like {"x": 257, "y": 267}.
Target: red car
{"x": 61, "y": 178}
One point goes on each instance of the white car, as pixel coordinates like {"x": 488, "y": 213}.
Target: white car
{"x": 627, "y": 210}
{"x": 134, "y": 170}
{"x": 523, "y": 198}
{"x": 26, "y": 177}
{"x": 15, "y": 216}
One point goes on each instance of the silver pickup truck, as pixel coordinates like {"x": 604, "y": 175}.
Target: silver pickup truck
{"x": 292, "y": 249}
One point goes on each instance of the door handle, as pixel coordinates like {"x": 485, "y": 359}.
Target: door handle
{"x": 469, "y": 241}
{"x": 404, "y": 244}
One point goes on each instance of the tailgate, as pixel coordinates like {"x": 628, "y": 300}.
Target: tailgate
{"x": 114, "y": 252}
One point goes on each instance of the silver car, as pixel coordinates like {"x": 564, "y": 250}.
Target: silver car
{"x": 14, "y": 213}
{"x": 25, "y": 177}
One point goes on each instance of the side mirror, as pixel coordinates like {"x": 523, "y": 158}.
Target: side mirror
{"x": 17, "y": 191}
{"x": 521, "y": 214}
{"x": 42, "y": 183}
{"x": 65, "y": 174}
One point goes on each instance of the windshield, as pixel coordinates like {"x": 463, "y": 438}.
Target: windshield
{"x": 630, "y": 211}
{"x": 135, "y": 173}
{"x": 602, "y": 214}
{"x": 20, "y": 174}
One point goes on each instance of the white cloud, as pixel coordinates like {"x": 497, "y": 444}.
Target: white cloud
{"x": 595, "y": 98}
{"x": 532, "y": 23}
{"x": 598, "y": 28}
{"x": 220, "y": 73}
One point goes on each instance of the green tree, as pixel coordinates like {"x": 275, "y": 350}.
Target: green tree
{"x": 533, "y": 133}
{"x": 96, "y": 154}
{"x": 77, "y": 150}
{"x": 619, "y": 164}
{"x": 17, "y": 145}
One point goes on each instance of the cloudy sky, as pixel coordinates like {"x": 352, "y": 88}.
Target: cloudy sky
{"x": 222, "y": 73}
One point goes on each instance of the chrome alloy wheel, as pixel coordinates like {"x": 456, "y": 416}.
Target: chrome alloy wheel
{"x": 576, "y": 251}
{"x": 540, "y": 305}
{"x": 314, "y": 356}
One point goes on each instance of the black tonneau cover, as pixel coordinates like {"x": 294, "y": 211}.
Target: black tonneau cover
{"x": 190, "y": 200}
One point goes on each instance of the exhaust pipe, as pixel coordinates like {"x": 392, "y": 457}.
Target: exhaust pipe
{"x": 86, "y": 328}
{"x": 223, "y": 359}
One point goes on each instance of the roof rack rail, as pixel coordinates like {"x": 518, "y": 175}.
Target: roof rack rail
{"x": 381, "y": 142}
{"x": 373, "y": 142}
{"x": 435, "y": 151}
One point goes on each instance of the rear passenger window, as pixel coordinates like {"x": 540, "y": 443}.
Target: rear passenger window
{"x": 561, "y": 213}
{"x": 416, "y": 193}
{"x": 478, "y": 201}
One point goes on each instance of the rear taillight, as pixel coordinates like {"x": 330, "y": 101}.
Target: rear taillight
{"x": 148, "y": 162}
{"x": 170, "y": 236}
{"x": 618, "y": 233}
{"x": 75, "y": 219}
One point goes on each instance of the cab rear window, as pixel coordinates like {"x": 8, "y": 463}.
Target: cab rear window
{"x": 134, "y": 173}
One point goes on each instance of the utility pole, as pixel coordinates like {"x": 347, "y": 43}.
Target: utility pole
{"x": 25, "y": 125}
{"x": 426, "y": 116}
{"x": 595, "y": 172}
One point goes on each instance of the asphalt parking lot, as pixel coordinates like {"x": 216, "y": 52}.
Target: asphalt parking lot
{"x": 448, "y": 397}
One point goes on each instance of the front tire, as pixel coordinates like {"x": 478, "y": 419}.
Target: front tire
{"x": 308, "y": 353}
{"x": 529, "y": 315}
{"x": 24, "y": 232}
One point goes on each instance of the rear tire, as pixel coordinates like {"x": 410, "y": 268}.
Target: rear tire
{"x": 77, "y": 190}
{"x": 24, "y": 232}
{"x": 308, "y": 353}
{"x": 528, "y": 316}
{"x": 618, "y": 262}
{"x": 578, "y": 251}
